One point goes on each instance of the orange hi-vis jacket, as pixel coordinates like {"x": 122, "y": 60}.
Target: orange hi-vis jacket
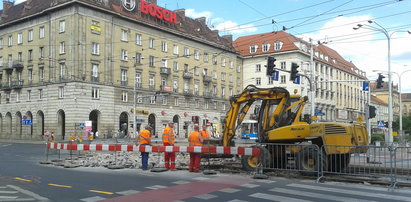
{"x": 194, "y": 139}
{"x": 204, "y": 134}
{"x": 145, "y": 137}
{"x": 168, "y": 132}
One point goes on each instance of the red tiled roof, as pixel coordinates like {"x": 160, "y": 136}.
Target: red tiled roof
{"x": 242, "y": 45}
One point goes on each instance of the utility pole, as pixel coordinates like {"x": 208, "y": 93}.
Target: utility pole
{"x": 312, "y": 69}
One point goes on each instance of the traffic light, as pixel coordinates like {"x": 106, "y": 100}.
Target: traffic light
{"x": 380, "y": 81}
{"x": 386, "y": 124}
{"x": 372, "y": 112}
{"x": 294, "y": 71}
{"x": 270, "y": 65}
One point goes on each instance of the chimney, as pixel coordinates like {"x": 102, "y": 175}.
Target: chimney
{"x": 228, "y": 37}
{"x": 201, "y": 20}
{"x": 181, "y": 12}
{"x": 6, "y": 5}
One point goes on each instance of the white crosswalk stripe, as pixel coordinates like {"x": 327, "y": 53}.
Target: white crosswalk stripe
{"x": 316, "y": 195}
{"x": 92, "y": 199}
{"x": 272, "y": 197}
{"x": 352, "y": 192}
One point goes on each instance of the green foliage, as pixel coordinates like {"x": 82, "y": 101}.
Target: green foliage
{"x": 377, "y": 137}
{"x": 408, "y": 138}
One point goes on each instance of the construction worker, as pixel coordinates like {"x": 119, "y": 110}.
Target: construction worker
{"x": 145, "y": 139}
{"x": 204, "y": 133}
{"x": 195, "y": 139}
{"x": 168, "y": 140}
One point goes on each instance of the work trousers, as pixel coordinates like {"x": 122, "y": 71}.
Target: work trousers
{"x": 169, "y": 158}
{"x": 144, "y": 159}
{"x": 195, "y": 159}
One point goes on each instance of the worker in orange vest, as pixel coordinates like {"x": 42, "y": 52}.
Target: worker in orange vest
{"x": 195, "y": 139}
{"x": 168, "y": 140}
{"x": 145, "y": 139}
{"x": 204, "y": 133}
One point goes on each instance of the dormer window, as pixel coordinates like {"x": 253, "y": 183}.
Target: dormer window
{"x": 278, "y": 45}
{"x": 334, "y": 61}
{"x": 253, "y": 48}
{"x": 266, "y": 47}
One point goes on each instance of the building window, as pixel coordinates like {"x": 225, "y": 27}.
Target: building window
{"x": 124, "y": 34}
{"x": 205, "y": 57}
{"x": 270, "y": 80}
{"x": 139, "y": 98}
{"x": 206, "y": 104}
{"x": 95, "y": 49}
{"x": 278, "y": 45}
{"x": 138, "y": 39}
{"x": 223, "y": 92}
{"x": 239, "y": 69}
{"x": 28, "y": 95}
{"x": 164, "y": 47}
{"x": 223, "y": 107}
{"x": 258, "y": 81}
{"x": 214, "y": 74}
{"x": 187, "y": 102}
{"x": 175, "y": 49}
{"x": 153, "y": 100}
{"x": 19, "y": 38}
{"x": 30, "y": 55}
{"x": 258, "y": 68}
{"x": 20, "y": 57}
{"x": 196, "y": 72}
{"x": 10, "y": 41}
{"x": 124, "y": 96}
{"x": 215, "y": 104}
{"x": 18, "y": 93}
{"x": 41, "y": 74}
{"x": 138, "y": 80}
{"x": 253, "y": 48}
{"x": 151, "y": 43}
{"x": 62, "y": 26}
{"x": 123, "y": 77}
{"x": 41, "y": 52}
{"x": 231, "y": 64}
{"x": 230, "y": 78}
{"x": 94, "y": 74}
{"x": 223, "y": 62}
{"x": 266, "y": 47}
{"x": 164, "y": 62}
{"x": 1, "y": 43}
{"x": 151, "y": 82}
{"x": 164, "y": 99}
{"x": 186, "y": 52}
{"x": 138, "y": 58}
{"x": 61, "y": 92}
{"x": 197, "y": 103}
{"x": 1, "y": 61}
{"x": 223, "y": 76}
{"x": 95, "y": 93}
{"x": 42, "y": 32}
{"x": 62, "y": 47}
{"x": 283, "y": 65}
{"x": 282, "y": 78}
{"x": 214, "y": 60}
{"x": 124, "y": 55}
{"x": 176, "y": 101}
{"x": 196, "y": 54}
{"x": 151, "y": 61}
{"x": 30, "y": 75}
{"x": 40, "y": 94}
{"x": 175, "y": 66}
{"x": 62, "y": 71}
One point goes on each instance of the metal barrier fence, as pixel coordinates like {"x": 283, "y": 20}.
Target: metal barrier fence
{"x": 386, "y": 163}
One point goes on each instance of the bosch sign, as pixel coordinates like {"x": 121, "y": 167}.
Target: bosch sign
{"x": 158, "y": 12}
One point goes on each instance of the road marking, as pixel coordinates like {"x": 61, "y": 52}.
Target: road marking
{"x": 201, "y": 178}
{"x": 128, "y": 192}
{"x": 59, "y": 185}
{"x": 92, "y": 199}
{"x": 8, "y": 192}
{"x": 275, "y": 197}
{"x": 250, "y": 185}
{"x": 101, "y": 192}
{"x": 236, "y": 200}
{"x": 155, "y": 187}
{"x": 2, "y": 198}
{"x": 229, "y": 190}
{"x": 316, "y": 195}
{"x": 25, "y": 180}
{"x": 181, "y": 182}
{"x": 205, "y": 196}
{"x": 29, "y": 193}
{"x": 351, "y": 192}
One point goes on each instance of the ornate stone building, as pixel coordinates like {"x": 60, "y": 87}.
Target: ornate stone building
{"x": 65, "y": 63}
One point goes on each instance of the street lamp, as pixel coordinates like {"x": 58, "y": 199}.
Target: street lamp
{"x": 400, "y": 99}
{"x": 381, "y": 29}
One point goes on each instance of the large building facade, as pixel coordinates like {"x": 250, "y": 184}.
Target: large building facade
{"x": 338, "y": 84}
{"x": 65, "y": 62}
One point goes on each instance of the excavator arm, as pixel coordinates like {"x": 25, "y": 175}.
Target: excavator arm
{"x": 240, "y": 104}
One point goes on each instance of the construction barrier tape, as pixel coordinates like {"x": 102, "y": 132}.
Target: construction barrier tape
{"x": 147, "y": 148}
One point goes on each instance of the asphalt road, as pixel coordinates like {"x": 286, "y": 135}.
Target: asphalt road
{"x": 22, "y": 178}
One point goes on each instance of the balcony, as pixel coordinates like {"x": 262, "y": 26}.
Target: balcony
{"x": 207, "y": 79}
{"x": 8, "y": 66}
{"x": 124, "y": 83}
{"x": 208, "y": 95}
{"x": 94, "y": 79}
{"x": 165, "y": 70}
{"x": 188, "y": 92}
{"x": 18, "y": 64}
{"x": 187, "y": 75}
{"x": 17, "y": 84}
{"x": 7, "y": 85}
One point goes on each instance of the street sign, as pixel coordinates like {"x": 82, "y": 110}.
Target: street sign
{"x": 297, "y": 80}
{"x": 318, "y": 112}
{"x": 380, "y": 124}
{"x": 275, "y": 76}
{"x": 81, "y": 125}
{"x": 365, "y": 86}
{"x": 27, "y": 122}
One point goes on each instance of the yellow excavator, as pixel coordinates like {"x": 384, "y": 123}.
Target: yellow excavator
{"x": 280, "y": 121}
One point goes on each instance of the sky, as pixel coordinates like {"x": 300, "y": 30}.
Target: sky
{"x": 329, "y": 21}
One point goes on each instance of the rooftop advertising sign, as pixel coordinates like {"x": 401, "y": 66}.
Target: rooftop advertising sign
{"x": 151, "y": 9}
